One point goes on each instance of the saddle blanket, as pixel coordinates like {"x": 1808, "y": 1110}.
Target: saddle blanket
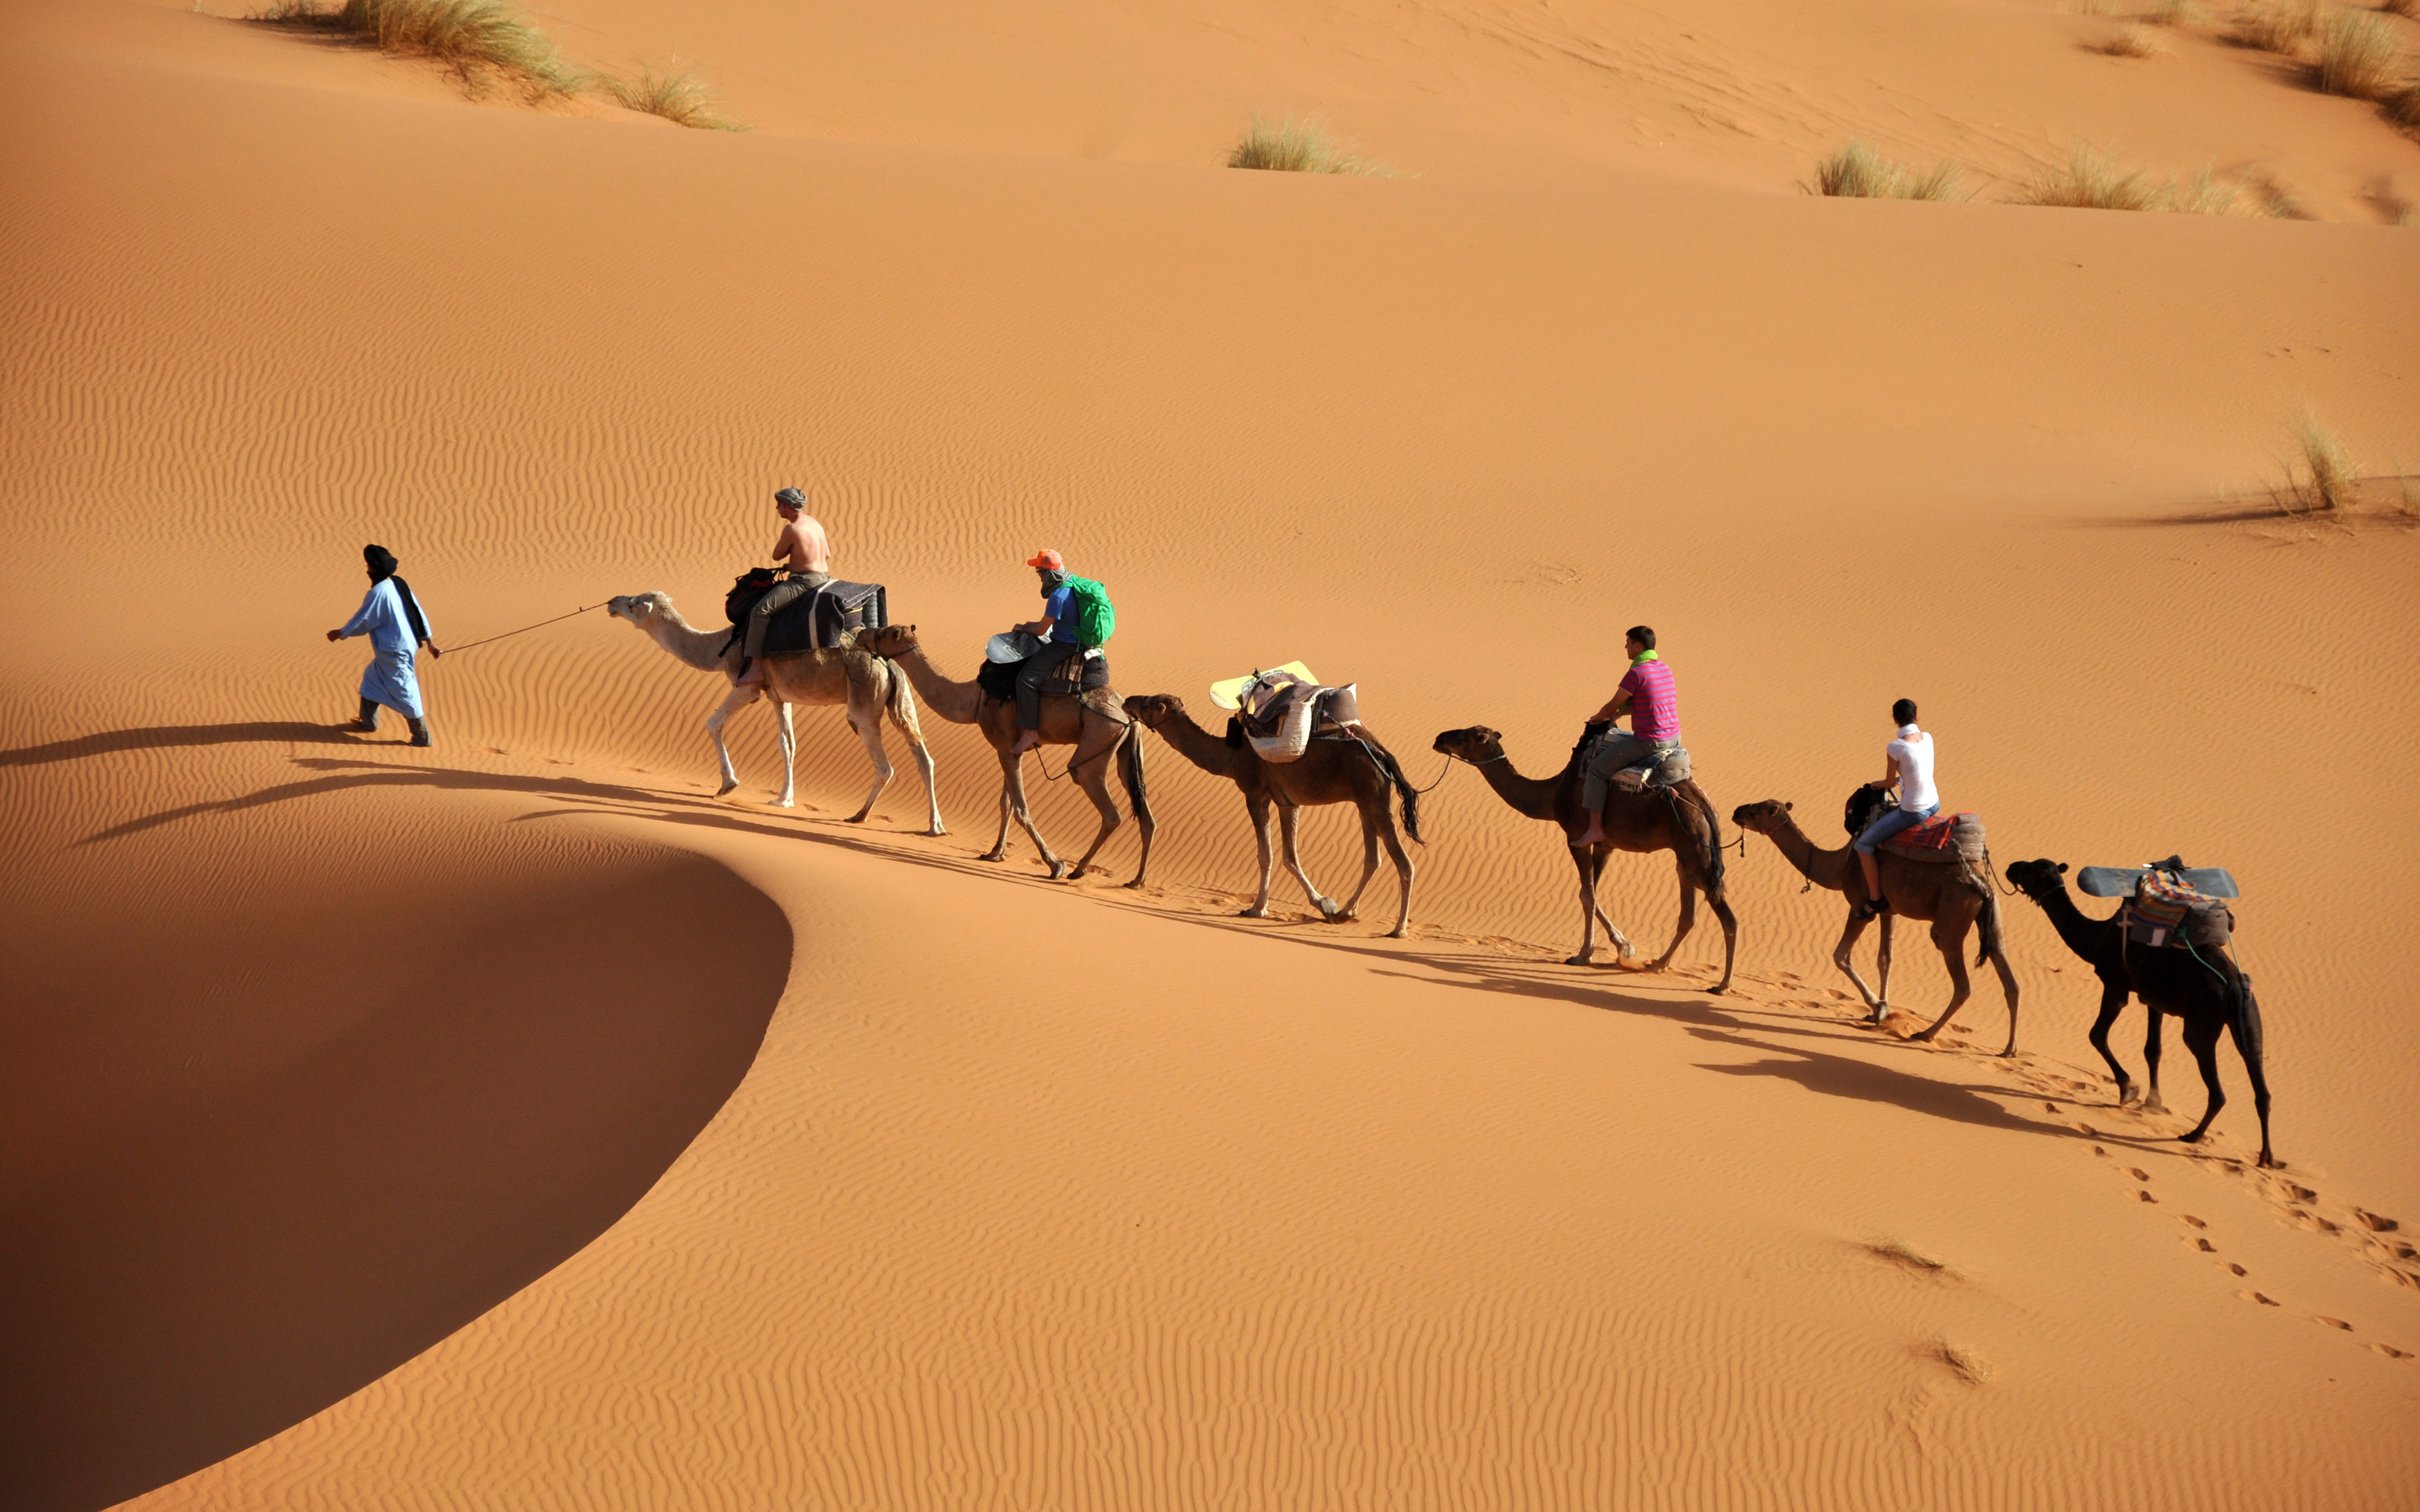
{"x": 1941, "y": 838}
{"x": 2167, "y": 911}
{"x": 1280, "y": 713}
{"x": 1077, "y": 674}
{"x": 821, "y": 619}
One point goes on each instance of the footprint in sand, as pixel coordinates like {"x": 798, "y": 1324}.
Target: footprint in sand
{"x": 2374, "y": 1223}
{"x": 2191, "y": 1219}
{"x": 2332, "y": 1322}
{"x": 2138, "y": 1173}
{"x": 2265, "y": 1301}
{"x": 2205, "y": 1246}
{"x": 2392, "y": 1353}
{"x": 2239, "y": 1271}
{"x": 2146, "y": 1197}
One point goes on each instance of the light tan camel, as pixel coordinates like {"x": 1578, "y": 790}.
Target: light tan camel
{"x": 1091, "y": 722}
{"x": 1679, "y": 819}
{"x": 866, "y": 684}
{"x": 1362, "y": 773}
{"x": 1946, "y": 894}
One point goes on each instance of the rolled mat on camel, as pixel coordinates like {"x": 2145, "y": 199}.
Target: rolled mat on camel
{"x": 822, "y": 620}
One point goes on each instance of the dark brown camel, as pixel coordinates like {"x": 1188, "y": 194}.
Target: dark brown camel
{"x": 1679, "y": 819}
{"x": 1092, "y": 722}
{"x": 2205, "y": 991}
{"x": 1946, "y": 894}
{"x": 2102, "y": 948}
{"x": 1362, "y": 773}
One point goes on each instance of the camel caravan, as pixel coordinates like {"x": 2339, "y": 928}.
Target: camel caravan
{"x": 1291, "y": 743}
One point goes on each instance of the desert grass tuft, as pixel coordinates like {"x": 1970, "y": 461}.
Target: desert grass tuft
{"x": 2403, "y": 109}
{"x": 2409, "y": 10}
{"x": 470, "y": 36}
{"x": 682, "y": 99}
{"x": 2320, "y": 476}
{"x": 1300, "y": 145}
{"x": 2133, "y": 40}
{"x": 1858, "y": 172}
{"x": 2281, "y": 29}
{"x": 2182, "y": 14}
{"x": 2093, "y": 180}
{"x": 2358, "y": 57}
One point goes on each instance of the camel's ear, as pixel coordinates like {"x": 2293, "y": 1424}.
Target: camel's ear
{"x": 2062, "y": 869}
{"x": 1786, "y": 807}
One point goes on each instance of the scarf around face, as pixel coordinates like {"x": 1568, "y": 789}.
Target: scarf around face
{"x": 1052, "y": 582}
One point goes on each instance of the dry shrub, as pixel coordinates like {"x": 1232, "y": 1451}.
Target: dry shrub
{"x": 682, "y": 99}
{"x": 1858, "y": 172}
{"x": 2404, "y": 109}
{"x": 2358, "y": 57}
{"x": 2279, "y": 27}
{"x": 2410, "y": 10}
{"x": 2179, "y": 13}
{"x": 1301, "y": 146}
{"x": 2321, "y": 476}
{"x": 2131, "y": 41}
{"x": 2093, "y": 180}
{"x": 470, "y": 36}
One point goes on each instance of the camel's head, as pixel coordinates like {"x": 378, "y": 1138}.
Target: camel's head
{"x": 1152, "y": 710}
{"x": 1474, "y": 745}
{"x": 2038, "y": 880}
{"x": 1764, "y": 818}
{"x": 640, "y": 610}
{"x": 890, "y": 640}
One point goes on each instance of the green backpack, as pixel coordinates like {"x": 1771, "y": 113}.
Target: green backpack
{"x": 1089, "y": 614}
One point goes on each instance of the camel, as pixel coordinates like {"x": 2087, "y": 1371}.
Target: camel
{"x": 1091, "y": 722}
{"x": 1359, "y": 772}
{"x": 1947, "y": 894}
{"x": 1679, "y": 819}
{"x": 869, "y": 686}
{"x": 2208, "y": 993}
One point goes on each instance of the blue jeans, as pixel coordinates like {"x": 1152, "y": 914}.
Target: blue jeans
{"x": 1891, "y": 824}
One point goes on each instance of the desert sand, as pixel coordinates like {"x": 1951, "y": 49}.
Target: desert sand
{"x": 515, "y": 1124}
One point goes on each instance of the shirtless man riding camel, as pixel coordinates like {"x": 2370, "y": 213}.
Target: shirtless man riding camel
{"x": 802, "y": 549}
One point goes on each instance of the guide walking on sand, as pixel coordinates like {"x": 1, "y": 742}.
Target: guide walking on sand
{"x": 391, "y": 617}
{"x": 805, "y": 552}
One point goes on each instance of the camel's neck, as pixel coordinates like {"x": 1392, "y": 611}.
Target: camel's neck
{"x": 701, "y": 649}
{"x": 959, "y": 703}
{"x": 1825, "y": 868}
{"x": 1199, "y": 745}
{"x": 1531, "y": 796}
{"x": 2074, "y": 926}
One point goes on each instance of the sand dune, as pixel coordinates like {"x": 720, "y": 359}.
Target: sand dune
{"x": 383, "y": 1111}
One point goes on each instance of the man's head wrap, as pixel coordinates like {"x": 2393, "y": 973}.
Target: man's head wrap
{"x": 791, "y": 498}
{"x": 381, "y": 562}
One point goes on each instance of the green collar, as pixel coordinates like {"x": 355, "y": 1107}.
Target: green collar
{"x": 1645, "y": 656}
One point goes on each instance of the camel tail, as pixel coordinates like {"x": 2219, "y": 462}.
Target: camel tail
{"x": 1713, "y": 837}
{"x": 1130, "y": 767}
{"x": 1394, "y": 773}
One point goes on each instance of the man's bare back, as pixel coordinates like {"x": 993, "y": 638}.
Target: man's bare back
{"x": 803, "y": 545}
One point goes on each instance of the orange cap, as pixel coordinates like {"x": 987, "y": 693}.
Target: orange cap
{"x": 1048, "y": 558}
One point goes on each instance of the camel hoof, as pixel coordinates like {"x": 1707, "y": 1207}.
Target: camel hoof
{"x": 1399, "y": 934}
{"x": 2128, "y": 1095}
{"x": 1251, "y": 913}
{"x": 1136, "y": 883}
{"x": 726, "y": 788}
{"x": 993, "y": 855}
{"x": 2190, "y": 1136}
{"x": 935, "y": 832}
{"x": 1579, "y": 960}
{"x": 2271, "y": 1162}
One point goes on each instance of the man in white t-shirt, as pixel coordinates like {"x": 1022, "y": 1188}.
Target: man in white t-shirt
{"x": 1910, "y": 754}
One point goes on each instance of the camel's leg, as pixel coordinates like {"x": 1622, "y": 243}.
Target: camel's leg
{"x": 1014, "y": 779}
{"x": 1688, "y": 913}
{"x": 932, "y": 790}
{"x": 1257, "y": 805}
{"x": 1842, "y": 957}
{"x": 1721, "y": 904}
{"x": 2202, "y": 1038}
{"x": 1623, "y": 949}
{"x": 869, "y": 730}
{"x": 1287, "y": 813}
{"x": 2247, "y": 1044}
{"x": 739, "y": 699}
{"x": 1369, "y": 862}
{"x": 1951, "y": 934}
{"x": 1591, "y": 869}
{"x": 1883, "y": 962}
{"x": 2153, "y": 1101}
{"x": 2009, "y": 988}
{"x": 999, "y": 842}
{"x": 1094, "y": 781}
{"x": 2113, "y": 1002}
{"x": 1403, "y": 872}
{"x": 787, "y": 738}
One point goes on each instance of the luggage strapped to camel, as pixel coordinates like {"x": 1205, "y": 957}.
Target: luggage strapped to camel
{"x": 2171, "y": 906}
{"x": 1279, "y": 712}
{"x": 825, "y": 619}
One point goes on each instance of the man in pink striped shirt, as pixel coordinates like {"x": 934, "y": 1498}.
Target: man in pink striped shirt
{"x": 1646, "y": 695}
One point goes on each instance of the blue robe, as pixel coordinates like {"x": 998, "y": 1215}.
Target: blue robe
{"x": 390, "y": 678}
